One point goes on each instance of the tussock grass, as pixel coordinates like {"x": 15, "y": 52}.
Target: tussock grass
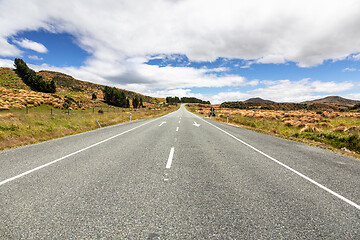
{"x": 18, "y": 128}
{"x": 340, "y": 130}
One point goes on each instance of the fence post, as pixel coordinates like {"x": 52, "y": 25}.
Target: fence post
{"x": 93, "y": 109}
{"x": 68, "y": 111}
{"x": 227, "y": 120}
{"x": 51, "y": 111}
{"x": 130, "y": 117}
{"x": 27, "y": 110}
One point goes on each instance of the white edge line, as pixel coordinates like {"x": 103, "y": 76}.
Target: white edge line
{"x": 71, "y": 154}
{"x": 287, "y": 167}
{"x": 171, "y": 155}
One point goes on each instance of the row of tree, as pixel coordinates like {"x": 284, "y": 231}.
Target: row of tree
{"x": 29, "y": 77}
{"x": 175, "y": 100}
{"x": 117, "y": 97}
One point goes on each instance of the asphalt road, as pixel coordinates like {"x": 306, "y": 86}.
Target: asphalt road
{"x": 177, "y": 177}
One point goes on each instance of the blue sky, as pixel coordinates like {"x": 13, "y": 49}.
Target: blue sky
{"x": 214, "y": 50}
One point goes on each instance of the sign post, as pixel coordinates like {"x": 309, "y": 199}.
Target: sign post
{"x": 212, "y": 112}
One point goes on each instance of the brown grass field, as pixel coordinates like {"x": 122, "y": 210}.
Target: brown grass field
{"x": 339, "y": 131}
{"x": 18, "y": 128}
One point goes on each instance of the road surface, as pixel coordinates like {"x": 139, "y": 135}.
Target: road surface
{"x": 177, "y": 177}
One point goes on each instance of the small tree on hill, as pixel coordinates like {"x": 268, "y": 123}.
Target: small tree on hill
{"x": 94, "y": 97}
{"x": 135, "y": 102}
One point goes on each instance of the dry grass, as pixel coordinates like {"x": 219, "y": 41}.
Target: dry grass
{"x": 18, "y": 128}
{"x": 337, "y": 129}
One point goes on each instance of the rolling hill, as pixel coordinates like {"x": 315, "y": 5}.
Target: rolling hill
{"x": 334, "y": 100}
{"x": 70, "y": 92}
{"x": 258, "y": 100}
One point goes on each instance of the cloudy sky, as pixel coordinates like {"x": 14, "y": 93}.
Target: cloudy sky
{"x": 222, "y": 50}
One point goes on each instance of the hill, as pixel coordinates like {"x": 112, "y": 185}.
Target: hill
{"x": 70, "y": 92}
{"x": 334, "y": 100}
{"x": 258, "y": 100}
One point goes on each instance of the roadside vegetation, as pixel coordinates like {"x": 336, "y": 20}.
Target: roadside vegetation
{"x": 18, "y": 128}
{"x": 60, "y": 105}
{"x": 327, "y": 128}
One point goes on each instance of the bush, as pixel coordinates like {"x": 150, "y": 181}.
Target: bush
{"x": 351, "y": 142}
{"x": 93, "y": 97}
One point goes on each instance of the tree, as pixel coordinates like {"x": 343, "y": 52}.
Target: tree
{"x": 141, "y": 103}
{"x": 94, "y": 97}
{"x": 135, "y": 102}
{"x": 29, "y": 77}
{"x": 115, "y": 97}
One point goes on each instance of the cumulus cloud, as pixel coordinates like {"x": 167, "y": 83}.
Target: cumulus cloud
{"x": 121, "y": 36}
{"x": 279, "y": 91}
{"x": 226, "y": 28}
{"x": 286, "y": 91}
{"x": 6, "y": 63}
{"x": 273, "y": 58}
{"x": 7, "y": 49}
{"x": 297, "y": 91}
{"x": 34, "y": 57}
{"x": 354, "y": 96}
{"x": 35, "y": 46}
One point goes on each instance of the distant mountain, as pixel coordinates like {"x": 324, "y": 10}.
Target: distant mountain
{"x": 334, "y": 99}
{"x": 258, "y": 100}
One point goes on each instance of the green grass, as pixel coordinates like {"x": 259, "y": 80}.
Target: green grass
{"x": 18, "y": 128}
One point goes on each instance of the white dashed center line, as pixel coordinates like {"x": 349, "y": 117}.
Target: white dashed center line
{"x": 171, "y": 155}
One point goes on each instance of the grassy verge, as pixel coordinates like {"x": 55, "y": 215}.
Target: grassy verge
{"x": 18, "y": 128}
{"x": 339, "y": 131}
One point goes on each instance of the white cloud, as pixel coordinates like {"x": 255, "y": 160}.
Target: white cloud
{"x": 354, "y": 96}
{"x": 272, "y": 58}
{"x": 36, "y": 58}
{"x": 224, "y": 28}
{"x": 356, "y": 57}
{"x": 121, "y": 36}
{"x": 285, "y": 91}
{"x": 35, "y": 46}
{"x": 330, "y": 87}
{"x": 279, "y": 91}
{"x": 7, "y": 49}
{"x": 6, "y": 63}
{"x": 298, "y": 91}
{"x": 349, "y": 69}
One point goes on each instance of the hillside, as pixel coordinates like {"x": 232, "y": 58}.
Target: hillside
{"x": 70, "y": 92}
{"x": 334, "y": 100}
{"x": 258, "y": 100}
{"x": 312, "y": 106}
